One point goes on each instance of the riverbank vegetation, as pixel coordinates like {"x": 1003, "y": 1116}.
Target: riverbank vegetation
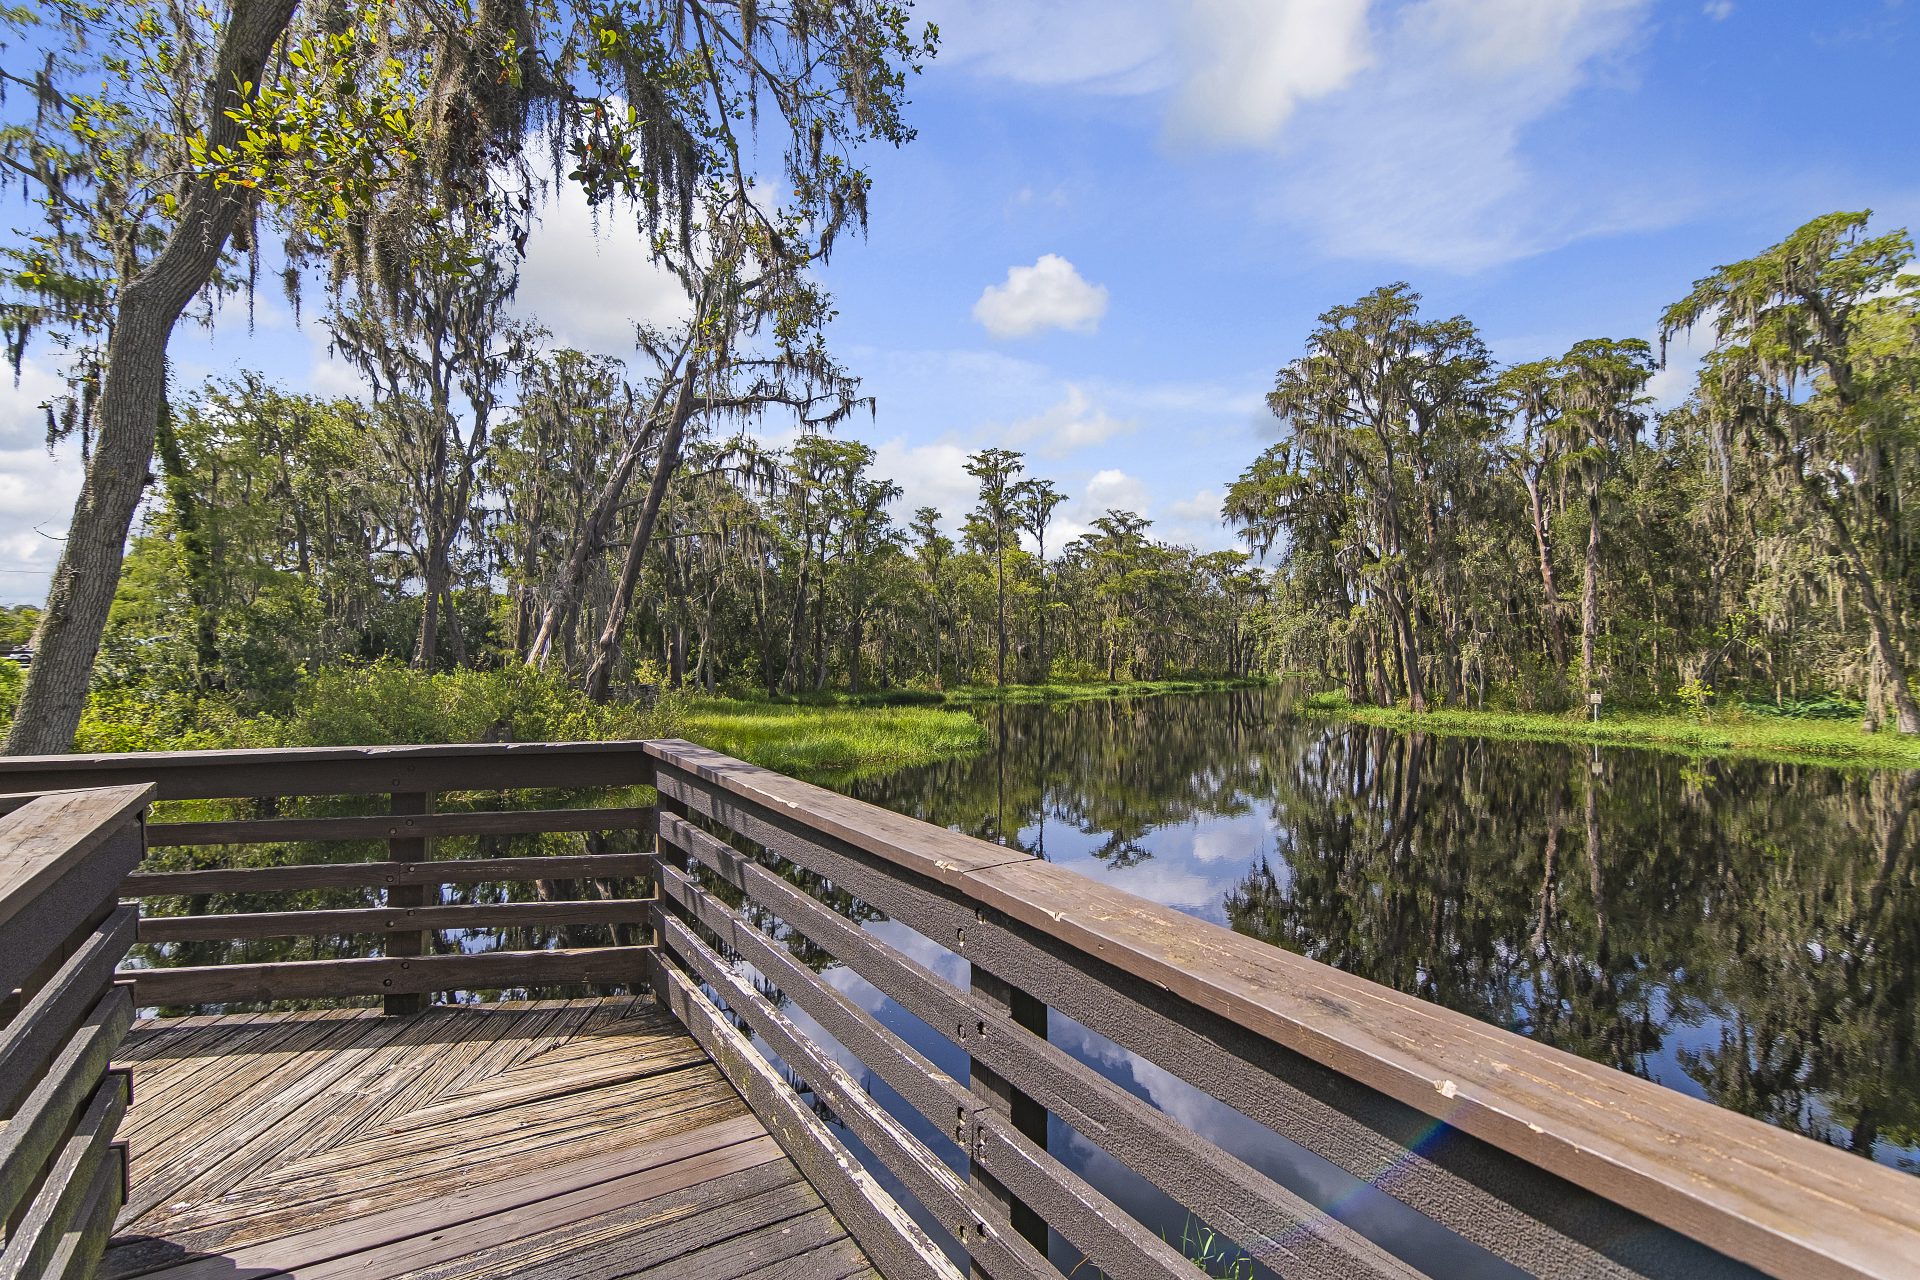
{"x": 1453, "y": 533}
{"x": 1759, "y": 734}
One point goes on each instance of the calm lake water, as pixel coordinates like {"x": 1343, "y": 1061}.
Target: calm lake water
{"x": 1747, "y": 933}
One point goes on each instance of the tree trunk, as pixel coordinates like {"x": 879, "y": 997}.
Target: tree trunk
{"x": 1590, "y": 590}
{"x": 1000, "y": 617}
{"x": 133, "y": 388}
{"x": 606, "y": 649}
{"x": 1550, "y": 596}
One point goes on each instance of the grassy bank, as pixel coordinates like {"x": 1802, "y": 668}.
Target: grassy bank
{"x": 977, "y": 694}
{"x": 833, "y": 736}
{"x": 835, "y": 743}
{"x": 1825, "y": 742}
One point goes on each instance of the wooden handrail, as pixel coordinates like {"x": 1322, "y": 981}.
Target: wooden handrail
{"x": 318, "y": 771}
{"x": 1510, "y": 1110}
{"x": 405, "y": 780}
{"x": 62, "y": 930}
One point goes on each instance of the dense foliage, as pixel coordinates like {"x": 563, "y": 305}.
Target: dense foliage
{"x": 1453, "y": 532}
{"x": 283, "y": 539}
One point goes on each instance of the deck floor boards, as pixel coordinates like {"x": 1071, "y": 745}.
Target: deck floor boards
{"x": 587, "y": 1138}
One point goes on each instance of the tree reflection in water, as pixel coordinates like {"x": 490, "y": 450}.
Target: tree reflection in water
{"x": 1741, "y": 931}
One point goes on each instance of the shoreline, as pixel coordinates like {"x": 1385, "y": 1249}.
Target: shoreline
{"x": 1829, "y": 743}
{"x": 839, "y": 737}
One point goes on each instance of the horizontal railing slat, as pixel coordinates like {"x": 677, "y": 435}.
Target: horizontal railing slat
{"x": 44, "y": 1224}
{"x": 1550, "y": 1224}
{"x": 31, "y": 1137}
{"x": 48, "y": 1018}
{"x": 61, "y": 859}
{"x": 315, "y": 771}
{"x": 508, "y": 822}
{"x": 359, "y": 875}
{"x": 79, "y": 1251}
{"x": 1271, "y": 1222}
{"x": 1085, "y": 1218}
{"x": 380, "y": 920}
{"x": 895, "y": 1244}
{"x": 387, "y": 975}
{"x": 924, "y": 1175}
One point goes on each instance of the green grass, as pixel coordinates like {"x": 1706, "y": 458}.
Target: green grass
{"x": 831, "y": 742}
{"x": 835, "y": 737}
{"x": 975, "y": 694}
{"x": 1827, "y": 742}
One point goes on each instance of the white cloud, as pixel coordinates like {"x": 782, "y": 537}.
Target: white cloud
{"x": 1423, "y": 159}
{"x": 1102, "y": 46}
{"x": 1718, "y": 10}
{"x": 37, "y": 489}
{"x": 1113, "y": 489}
{"x": 1674, "y": 381}
{"x": 929, "y": 475}
{"x": 588, "y": 278}
{"x": 1397, "y": 131}
{"x": 1074, "y": 423}
{"x": 1050, "y": 294}
{"x": 1204, "y": 505}
{"x": 1109, "y": 489}
{"x": 1252, "y": 62}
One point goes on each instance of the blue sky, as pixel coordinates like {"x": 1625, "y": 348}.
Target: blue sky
{"x": 1121, "y": 216}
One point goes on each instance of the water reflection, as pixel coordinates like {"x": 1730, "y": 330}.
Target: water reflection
{"x": 1739, "y": 931}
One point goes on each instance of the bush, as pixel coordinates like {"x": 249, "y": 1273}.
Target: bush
{"x": 385, "y": 703}
{"x": 375, "y": 704}
{"x": 12, "y": 681}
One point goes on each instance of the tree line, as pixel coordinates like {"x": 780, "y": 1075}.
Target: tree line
{"x": 290, "y": 532}
{"x": 1449, "y": 531}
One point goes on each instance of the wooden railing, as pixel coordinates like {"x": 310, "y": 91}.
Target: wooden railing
{"x": 1518, "y": 1155}
{"x": 398, "y": 911}
{"x": 62, "y": 932}
{"x": 1536, "y": 1158}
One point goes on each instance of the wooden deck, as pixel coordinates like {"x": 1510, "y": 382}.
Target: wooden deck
{"x": 573, "y": 1139}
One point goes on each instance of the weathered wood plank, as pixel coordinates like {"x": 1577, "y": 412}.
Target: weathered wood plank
{"x": 1104, "y": 1233}
{"x": 736, "y": 1255}
{"x": 389, "y": 920}
{"x": 43, "y": 840}
{"x": 357, "y": 875}
{"x": 509, "y": 822}
{"x": 574, "y": 1236}
{"x": 41, "y": 1229}
{"x": 385, "y": 975}
{"x": 885, "y": 1232}
{"x": 311, "y": 771}
{"x": 30, "y": 1138}
{"x": 78, "y": 1254}
{"x": 461, "y": 1211}
{"x": 34, "y": 1036}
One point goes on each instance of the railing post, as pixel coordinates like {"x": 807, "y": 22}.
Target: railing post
{"x": 1028, "y": 1116}
{"x": 405, "y": 897}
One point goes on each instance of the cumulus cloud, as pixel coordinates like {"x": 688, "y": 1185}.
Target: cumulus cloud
{"x": 1050, "y": 294}
{"x": 1204, "y": 505}
{"x": 587, "y": 277}
{"x": 1073, "y": 423}
{"x": 929, "y": 475}
{"x": 37, "y": 488}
